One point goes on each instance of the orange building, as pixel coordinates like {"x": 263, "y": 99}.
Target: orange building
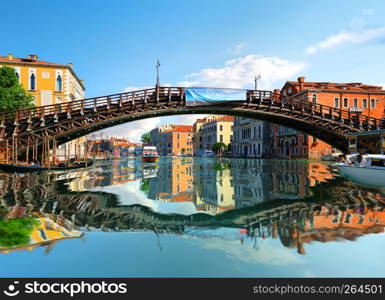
{"x": 355, "y": 97}
{"x": 328, "y": 226}
{"x": 178, "y": 140}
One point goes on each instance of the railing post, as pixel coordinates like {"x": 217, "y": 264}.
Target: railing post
{"x": 157, "y": 94}
{"x": 169, "y": 94}
{"x": 331, "y": 113}
{"x": 16, "y": 123}
{"x": 321, "y": 111}
{"x": 121, "y": 100}
{"x": 82, "y": 107}
{"x": 2, "y": 127}
{"x": 108, "y": 102}
{"x": 145, "y": 97}
{"x": 181, "y": 95}
{"x": 95, "y": 105}
{"x": 69, "y": 110}
{"x": 56, "y": 118}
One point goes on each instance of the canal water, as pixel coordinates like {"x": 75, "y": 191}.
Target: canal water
{"x": 191, "y": 217}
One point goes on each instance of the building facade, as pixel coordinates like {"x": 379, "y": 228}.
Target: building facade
{"x": 173, "y": 140}
{"x": 289, "y": 143}
{"x": 355, "y": 97}
{"x": 218, "y": 130}
{"x": 251, "y": 138}
{"x": 49, "y": 83}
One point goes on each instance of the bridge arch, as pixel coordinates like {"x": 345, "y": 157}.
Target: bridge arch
{"x": 67, "y": 121}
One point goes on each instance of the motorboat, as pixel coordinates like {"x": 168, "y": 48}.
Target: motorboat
{"x": 150, "y": 154}
{"x": 366, "y": 169}
{"x": 208, "y": 153}
{"x": 366, "y": 162}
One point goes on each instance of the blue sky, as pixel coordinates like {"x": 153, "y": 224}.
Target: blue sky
{"x": 114, "y": 44}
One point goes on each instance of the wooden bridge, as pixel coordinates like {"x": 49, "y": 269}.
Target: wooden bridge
{"x": 27, "y": 130}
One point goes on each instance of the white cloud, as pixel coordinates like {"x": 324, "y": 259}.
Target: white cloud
{"x": 348, "y": 37}
{"x": 133, "y": 130}
{"x": 240, "y": 72}
{"x": 268, "y": 253}
{"x": 236, "y": 73}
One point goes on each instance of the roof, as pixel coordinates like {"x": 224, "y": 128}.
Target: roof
{"x": 27, "y": 60}
{"x": 352, "y": 86}
{"x": 180, "y": 128}
{"x": 222, "y": 119}
{"x": 32, "y": 62}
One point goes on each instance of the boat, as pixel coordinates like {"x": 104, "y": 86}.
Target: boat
{"x": 37, "y": 168}
{"x": 366, "y": 162}
{"x": 150, "y": 154}
{"x": 208, "y": 153}
{"x": 366, "y": 169}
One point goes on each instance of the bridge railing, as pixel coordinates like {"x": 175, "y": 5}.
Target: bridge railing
{"x": 333, "y": 113}
{"x": 168, "y": 94}
{"x": 152, "y": 95}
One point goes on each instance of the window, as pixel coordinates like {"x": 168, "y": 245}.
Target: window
{"x": 346, "y": 102}
{"x": 314, "y": 98}
{"x": 373, "y": 103}
{"x": 336, "y": 102}
{"x": 32, "y": 82}
{"x": 59, "y": 83}
{"x": 364, "y": 103}
{"x": 221, "y": 138}
{"x": 221, "y": 127}
{"x": 355, "y": 102}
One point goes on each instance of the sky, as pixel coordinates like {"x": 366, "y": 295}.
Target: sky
{"x": 114, "y": 44}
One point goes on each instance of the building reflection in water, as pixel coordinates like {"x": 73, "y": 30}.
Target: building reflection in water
{"x": 325, "y": 224}
{"x": 295, "y": 202}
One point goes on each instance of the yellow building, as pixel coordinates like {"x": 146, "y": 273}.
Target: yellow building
{"x": 219, "y": 130}
{"x": 200, "y": 136}
{"x": 48, "y": 83}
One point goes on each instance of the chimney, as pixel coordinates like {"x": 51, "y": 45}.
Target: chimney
{"x": 10, "y": 56}
{"x": 32, "y": 56}
{"x": 301, "y": 81}
{"x": 70, "y": 65}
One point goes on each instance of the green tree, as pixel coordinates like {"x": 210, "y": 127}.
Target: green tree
{"x": 16, "y": 232}
{"x": 12, "y": 94}
{"x": 146, "y": 138}
{"x": 218, "y": 148}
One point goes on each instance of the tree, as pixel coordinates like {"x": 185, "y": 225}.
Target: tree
{"x": 12, "y": 94}
{"x": 146, "y": 138}
{"x": 16, "y": 232}
{"x": 219, "y": 147}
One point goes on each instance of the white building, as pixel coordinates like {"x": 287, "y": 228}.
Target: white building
{"x": 250, "y": 138}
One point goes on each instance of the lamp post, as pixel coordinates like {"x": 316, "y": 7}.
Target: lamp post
{"x": 157, "y": 73}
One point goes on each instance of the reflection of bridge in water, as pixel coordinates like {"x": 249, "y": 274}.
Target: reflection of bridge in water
{"x": 351, "y": 212}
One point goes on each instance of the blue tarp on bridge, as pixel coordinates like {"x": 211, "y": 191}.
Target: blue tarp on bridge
{"x": 206, "y": 96}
